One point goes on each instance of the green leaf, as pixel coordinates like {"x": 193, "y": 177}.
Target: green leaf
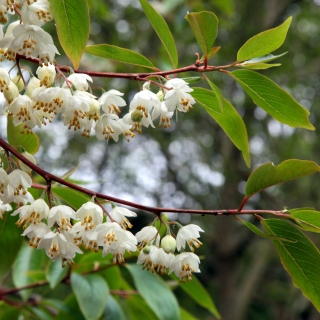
{"x": 205, "y": 28}
{"x": 198, "y": 293}
{"x": 138, "y": 309}
{"x": 19, "y": 137}
{"x": 72, "y": 197}
{"x": 217, "y": 92}
{"x": 260, "y": 66}
{"x": 155, "y": 292}
{"x": 112, "y": 311}
{"x": 301, "y": 259}
{"x": 306, "y": 216}
{"x": 229, "y": 120}
{"x": 212, "y": 52}
{"x": 161, "y": 28}
{"x": 264, "y": 42}
{"x": 120, "y": 54}
{"x": 185, "y": 315}
{"x": 266, "y": 58}
{"x": 258, "y": 232}
{"x": 73, "y": 26}
{"x": 273, "y": 99}
{"x": 91, "y": 292}
{"x": 71, "y": 310}
{"x": 8, "y": 312}
{"x": 10, "y": 243}
{"x": 191, "y": 80}
{"x": 27, "y": 261}
{"x": 55, "y": 273}
{"x": 269, "y": 175}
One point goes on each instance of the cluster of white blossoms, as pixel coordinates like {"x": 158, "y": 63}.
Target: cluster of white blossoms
{"x": 38, "y": 102}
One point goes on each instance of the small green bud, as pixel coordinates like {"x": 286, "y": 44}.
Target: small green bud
{"x": 31, "y": 158}
{"x": 17, "y": 80}
{"x": 168, "y": 244}
{"x": 136, "y": 115}
{"x": 160, "y": 95}
{"x": 146, "y": 249}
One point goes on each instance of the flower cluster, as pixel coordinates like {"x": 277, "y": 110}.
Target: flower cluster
{"x": 38, "y": 102}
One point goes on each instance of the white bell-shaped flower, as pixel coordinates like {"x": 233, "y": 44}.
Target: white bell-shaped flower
{"x": 188, "y": 234}
{"x": 148, "y": 235}
{"x": 46, "y": 75}
{"x": 119, "y": 215}
{"x": 184, "y": 264}
{"x": 3, "y": 208}
{"x": 36, "y": 12}
{"x": 90, "y": 214}
{"x": 20, "y": 181}
{"x": 111, "y": 100}
{"x": 79, "y": 81}
{"x": 61, "y": 215}
{"x": 35, "y": 232}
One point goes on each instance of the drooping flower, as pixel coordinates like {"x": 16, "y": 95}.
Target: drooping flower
{"x": 164, "y": 114}
{"x": 85, "y": 236}
{"x": 115, "y": 240}
{"x": 35, "y": 232}
{"x": 111, "y": 100}
{"x": 119, "y": 215}
{"x": 20, "y": 181}
{"x": 78, "y": 80}
{"x": 90, "y": 214}
{"x": 31, "y": 158}
{"x": 36, "y": 12}
{"x": 4, "y": 80}
{"x": 56, "y": 245}
{"x": 46, "y": 74}
{"x": 148, "y": 235}
{"x": 3, "y": 180}
{"x": 30, "y": 41}
{"x": 61, "y": 215}
{"x": 188, "y": 234}
{"x": 184, "y": 264}
{"x": 11, "y": 93}
{"x": 179, "y": 95}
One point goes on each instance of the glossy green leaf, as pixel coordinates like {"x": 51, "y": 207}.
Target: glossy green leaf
{"x": 217, "y": 92}
{"x": 264, "y": 42}
{"x": 198, "y": 293}
{"x": 10, "y": 243}
{"x": 138, "y": 309}
{"x": 185, "y": 315}
{"x": 258, "y": 232}
{"x": 72, "y": 197}
{"x": 212, "y": 52}
{"x": 273, "y": 99}
{"x": 311, "y": 218}
{"x": 266, "y": 58}
{"x": 191, "y": 80}
{"x": 8, "y": 312}
{"x": 91, "y": 292}
{"x": 18, "y": 137}
{"x": 229, "y": 120}
{"x": 300, "y": 258}
{"x": 120, "y": 54}
{"x": 155, "y": 292}
{"x": 269, "y": 175}
{"x": 205, "y": 28}
{"x": 71, "y": 310}
{"x": 55, "y": 273}
{"x": 161, "y": 28}
{"x": 27, "y": 261}
{"x": 113, "y": 310}
{"x": 73, "y": 26}
{"x": 260, "y": 66}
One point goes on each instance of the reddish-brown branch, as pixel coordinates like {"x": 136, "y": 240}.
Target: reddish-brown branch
{"x": 155, "y": 210}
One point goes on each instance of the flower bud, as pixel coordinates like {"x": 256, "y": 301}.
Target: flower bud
{"x": 168, "y": 244}
{"x": 33, "y": 84}
{"x": 146, "y": 250}
{"x": 31, "y": 158}
{"x": 11, "y": 93}
{"x": 160, "y": 95}
{"x": 136, "y": 115}
{"x": 17, "y": 80}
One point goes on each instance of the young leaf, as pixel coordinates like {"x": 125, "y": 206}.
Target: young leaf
{"x": 28, "y": 141}
{"x": 264, "y": 42}
{"x": 260, "y": 66}
{"x": 229, "y": 120}
{"x": 217, "y": 92}
{"x": 72, "y": 197}
{"x": 185, "y": 315}
{"x": 161, "y": 28}
{"x": 273, "y": 99}
{"x": 92, "y": 294}
{"x": 155, "y": 292}
{"x": 306, "y": 216}
{"x": 10, "y": 243}
{"x": 55, "y": 273}
{"x": 266, "y": 58}
{"x": 300, "y": 258}
{"x": 212, "y": 52}
{"x": 120, "y": 54}
{"x": 73, "y": 26}
{"x": 269, "y": 175}
{"x": 198, "y": 293}
{"x": 205, "y": 28}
